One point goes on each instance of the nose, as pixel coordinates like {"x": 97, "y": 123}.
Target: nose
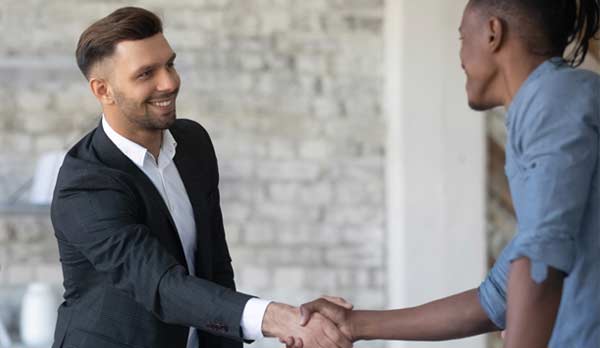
{"x": 168, "y": 81}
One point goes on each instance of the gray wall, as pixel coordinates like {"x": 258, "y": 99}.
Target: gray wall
{"x": 290, "y": 91}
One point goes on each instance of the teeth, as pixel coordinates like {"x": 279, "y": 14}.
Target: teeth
{"x": 162, "y": 104}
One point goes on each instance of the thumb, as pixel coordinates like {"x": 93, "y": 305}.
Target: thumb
{"x": 339, "y": 301}
{"x": 305, "y": 312}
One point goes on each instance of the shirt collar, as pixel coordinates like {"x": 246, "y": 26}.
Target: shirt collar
{"x": 135, "y": 152}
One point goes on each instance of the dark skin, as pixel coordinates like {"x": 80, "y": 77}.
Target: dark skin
{"x": 496, "y": 63}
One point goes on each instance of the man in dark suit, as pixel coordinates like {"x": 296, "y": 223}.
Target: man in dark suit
{"x": 137, "y": 216}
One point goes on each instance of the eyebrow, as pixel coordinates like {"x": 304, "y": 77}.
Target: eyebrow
{"x": 152, "y": 66}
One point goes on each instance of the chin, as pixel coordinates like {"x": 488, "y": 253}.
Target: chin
{"x": 478, "y": 106}
{"x": 168, "y": 120}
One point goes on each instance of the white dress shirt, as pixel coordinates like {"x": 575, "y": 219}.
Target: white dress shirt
{"x": 165, "y": 177}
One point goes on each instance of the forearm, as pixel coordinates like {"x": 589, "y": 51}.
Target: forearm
{"x": 453, "y": 317}
{"x": 532, "y": 308}
{"x": 191, "y": 301}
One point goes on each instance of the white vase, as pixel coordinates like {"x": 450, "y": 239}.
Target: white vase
{"x": 38, "y": 315}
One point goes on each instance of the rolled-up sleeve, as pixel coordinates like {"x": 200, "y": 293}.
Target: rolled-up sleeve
{"x": 492, "y": 292}
{"x": 559, "y": 150}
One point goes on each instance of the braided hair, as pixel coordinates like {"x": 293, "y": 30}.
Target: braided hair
{"x": 548, "y": 27}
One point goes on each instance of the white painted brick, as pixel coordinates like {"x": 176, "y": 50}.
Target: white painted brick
{"x": 49, "y": 273}
{"x": 369, "y": 299}
{"x": 260, "y": 233}
{"x": 311, "y": 5}
{"x": 322, "y": 280}
{"x": 17, "y": 142}
{"x": 315, "y": 149}
{"x": 247, "y": 24}
{"x": 326, "y": 108}
{"x": 6, "y": 231}
{"x": 233, "y": 211}
{"x": 368, "y": 254}
{"x": 255, "y": 279}
{"x": 289, "y": 277}
{"x": 286, "y": 212}
{"x": 357, "y": 234}
{"x": 33, "y": 101}
{"x": 288, "y": 235}
{"x": 233, "y": 233}
{"x": 49, "y": 143}
{"x": 289, "y": 256}
{"x": 284, "y": 192}
{"x": 312, "y": 64}
{"x": 20, "y": 274}
{"x": 289, "y": 170}
{"x": 274, "y": 22}
{"x": 320, "y": 193}
{"x": 236, "y": 168}
{"x": 237, "y": 191}
{"x": 252, "y": 61}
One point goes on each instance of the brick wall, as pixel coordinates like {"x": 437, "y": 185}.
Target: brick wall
{"x": 289, "y": 90}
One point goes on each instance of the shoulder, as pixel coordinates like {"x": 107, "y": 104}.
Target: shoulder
{"x": 190, "y": 134}
{"x": 568, "y": 87}
{"x": 565, "y": 95}
{"x": 186, "y": 127}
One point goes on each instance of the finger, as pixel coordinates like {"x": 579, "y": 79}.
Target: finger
{"x": 335, "y": 336}
{"x": 306, "y": 310}
{"x": 331, "y": 311}
{"x": 288, "y": 341}
{"x": 339, "y": 301}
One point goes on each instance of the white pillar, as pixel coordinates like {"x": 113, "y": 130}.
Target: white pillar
{"x": 436, "y": 161}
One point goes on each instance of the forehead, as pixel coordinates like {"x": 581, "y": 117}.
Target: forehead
{"x": 133, "y": 54}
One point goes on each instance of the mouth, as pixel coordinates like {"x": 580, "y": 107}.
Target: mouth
{"x": 163, "y": 104}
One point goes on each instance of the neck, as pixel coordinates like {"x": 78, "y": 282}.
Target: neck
{"x": 150, "y": 139}
{"x": 514, "y": 75}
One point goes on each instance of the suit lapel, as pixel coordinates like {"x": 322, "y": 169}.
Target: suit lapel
{"x": 110, "y": 154}
{"x": 194, "y": 179}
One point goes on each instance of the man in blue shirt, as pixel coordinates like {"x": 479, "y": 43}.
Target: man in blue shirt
{"x": 544, "y": 290}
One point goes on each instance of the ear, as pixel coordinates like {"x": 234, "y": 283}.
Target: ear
{"x": 496, "y": 32}
{"x": 101, "y": 90}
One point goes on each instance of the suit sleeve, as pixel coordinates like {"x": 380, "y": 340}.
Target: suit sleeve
{"x": 223, "y": 271}
{"x": 97, "y": 215}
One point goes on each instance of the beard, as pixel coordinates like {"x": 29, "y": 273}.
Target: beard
{"x": 143, "y": 114}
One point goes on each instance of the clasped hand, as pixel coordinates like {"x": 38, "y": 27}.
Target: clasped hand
{"x": 324, "y": 323}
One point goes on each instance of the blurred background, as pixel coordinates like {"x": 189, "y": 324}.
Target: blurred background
{"x": 350, "y": 163}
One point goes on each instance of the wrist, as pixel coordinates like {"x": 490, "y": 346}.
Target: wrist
{"x": 358, "y": 324}
{"x": 277, "y": 316}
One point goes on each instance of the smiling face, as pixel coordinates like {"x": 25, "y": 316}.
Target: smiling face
{"x": 144, "y": 83}
{"x": 477, "y": 58}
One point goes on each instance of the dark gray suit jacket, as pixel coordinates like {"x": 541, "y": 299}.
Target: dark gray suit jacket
{"x": 125, "y": 275}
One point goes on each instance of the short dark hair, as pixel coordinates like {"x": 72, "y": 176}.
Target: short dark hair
{"x": 98, "y": 41}
{"x": 548, "y": 27}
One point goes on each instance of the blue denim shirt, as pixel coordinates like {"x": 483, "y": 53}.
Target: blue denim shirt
{"x": 552, "y": 165}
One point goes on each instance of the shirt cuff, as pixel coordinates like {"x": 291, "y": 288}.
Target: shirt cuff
{"x": 252, "y": 318}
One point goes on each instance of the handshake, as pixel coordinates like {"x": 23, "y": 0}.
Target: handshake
{"x": 323, "y": 323}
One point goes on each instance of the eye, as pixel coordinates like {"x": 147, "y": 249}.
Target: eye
{"x": 171, "y": 64}
{"x": 145, "y": 74}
